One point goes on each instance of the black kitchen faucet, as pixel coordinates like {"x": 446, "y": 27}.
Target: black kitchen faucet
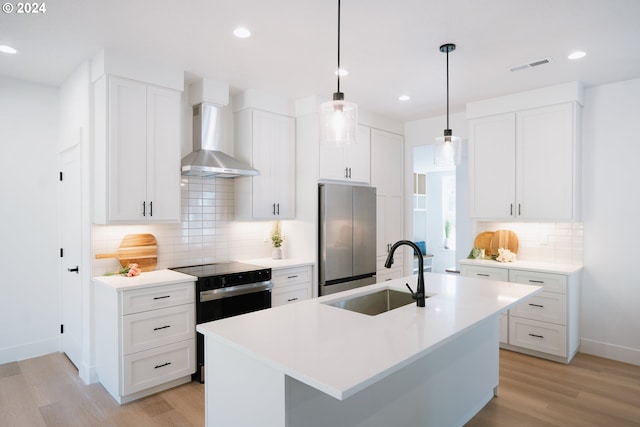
{"x": 419, "y": 294}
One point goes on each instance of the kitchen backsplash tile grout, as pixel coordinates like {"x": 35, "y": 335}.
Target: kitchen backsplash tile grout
{"x": 207, "y": 231}
{"x": 553, "y": 242}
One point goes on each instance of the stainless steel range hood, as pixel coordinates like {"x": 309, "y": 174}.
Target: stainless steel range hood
{"x": 207, "y": 160}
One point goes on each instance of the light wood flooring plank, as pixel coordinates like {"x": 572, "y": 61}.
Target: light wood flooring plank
{"x": 591, "y": 391}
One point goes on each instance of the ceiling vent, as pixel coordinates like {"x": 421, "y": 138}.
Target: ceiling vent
{"x": 530, "y": 64}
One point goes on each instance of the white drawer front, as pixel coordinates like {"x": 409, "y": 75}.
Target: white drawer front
{"x": 540, "y": 336}
{"x": 157, "y": 366}
{"x": 149, "y": 329}
{"x": 546, "y": 307}
{"x": 549, "y": 281}
{"x": 290, "y": 294}
{"x": 145, "y": 299}
{"x": 291, "y": 276}
{"x": 504, "y": 328}
{"x": 387, "y": 274}
{"x": 493, "y": 273}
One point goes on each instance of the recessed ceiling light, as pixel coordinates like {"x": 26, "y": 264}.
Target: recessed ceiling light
{"x": 576, "y": 55}
{"x": 404, "y": 98}
{"x": 7, "y": 49}
{"x": 242, "y": 32}
{"x": 341, "y": 72}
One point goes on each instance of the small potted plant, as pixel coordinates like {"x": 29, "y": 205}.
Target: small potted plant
{"x": 447, "y": 233}
{"x": 276, "y": 241}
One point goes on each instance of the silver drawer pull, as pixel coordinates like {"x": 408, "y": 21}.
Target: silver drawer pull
{"x": 482, "y": 274}
{"x": 162, "y": 297}
{"x": 161, "y": 366}
{"x": 536, "y": 305}
{"x": 292, "y": 277}
{"x": 292, "y": 299}
{"x": 162, "y": 327}
{"x": 536, "y": 281}
{"x": 536, "y": 336}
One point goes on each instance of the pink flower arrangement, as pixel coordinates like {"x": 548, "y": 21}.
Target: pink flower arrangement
{"x": 130, "y": 270}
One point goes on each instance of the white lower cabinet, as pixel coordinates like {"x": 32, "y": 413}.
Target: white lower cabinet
{"x": 145, "y": 338}
{"x": 545, "y": 325}
{"x": 291, "y": 284}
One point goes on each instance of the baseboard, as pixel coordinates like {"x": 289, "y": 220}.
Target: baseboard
{"x": 29, "y": 350}
{"x": 88, "y": 374}
{"x": 610, "y": 351}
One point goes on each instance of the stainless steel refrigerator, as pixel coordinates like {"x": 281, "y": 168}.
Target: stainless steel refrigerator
{"x": 347, "y": 237}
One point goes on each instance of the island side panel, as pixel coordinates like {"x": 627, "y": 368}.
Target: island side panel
{"x": 241, "y": 391}
{"x": 446, "y": 387}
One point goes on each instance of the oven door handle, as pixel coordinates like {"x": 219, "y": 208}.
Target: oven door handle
{"x": 233, "y": 291}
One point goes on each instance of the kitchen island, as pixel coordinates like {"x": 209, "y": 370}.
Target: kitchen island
{"x": 312, "y": 364}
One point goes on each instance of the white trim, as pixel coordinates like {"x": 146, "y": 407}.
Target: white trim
{"x": 30, "y": 350}
{"x": 610, "y": 351}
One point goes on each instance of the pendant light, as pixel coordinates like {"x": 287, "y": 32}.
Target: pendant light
{"x": 449, "y": 144}
{"x": 338, "y": 118}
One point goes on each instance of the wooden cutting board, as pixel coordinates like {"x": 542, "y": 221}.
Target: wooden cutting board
{"x": 505, "y": 239}
{"x": 141, "y": 249}
{"x": 483, "y": 241}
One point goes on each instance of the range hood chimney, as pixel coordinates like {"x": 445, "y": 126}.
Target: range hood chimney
{"x": 207, "y": 159}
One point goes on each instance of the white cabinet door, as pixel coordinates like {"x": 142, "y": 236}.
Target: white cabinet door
{"x": 349, "y": 163}
{"x": 545, "y": 163}
{"x": 163, "y": 154}
{"x": 492, "y": 167}
{"x": 127, "y": 188}
{"x": 267, "y": 142}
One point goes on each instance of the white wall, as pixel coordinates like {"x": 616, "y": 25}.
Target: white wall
{"x": 611, "y": 210}
{"x": 29, "y": 289}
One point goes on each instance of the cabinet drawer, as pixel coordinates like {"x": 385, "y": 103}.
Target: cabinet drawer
{"x": 539, "y": 336}
{"x": 145, "y": 299}
{"x": 387, "y": 274}
{"x": 291, "y": 276}
{"x": 546, "y": 307}
{"x": 549, "y": 281}
{"x": 290, "y": 294}
{"x": 493, "y": 273}
{"x": 157, "y": 366}
{"x": 149, "y": 329}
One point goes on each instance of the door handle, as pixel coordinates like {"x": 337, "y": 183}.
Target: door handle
{"x": 74, "y": 270}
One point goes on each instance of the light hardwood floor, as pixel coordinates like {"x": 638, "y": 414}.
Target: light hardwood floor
{"x": 46, "y": 391}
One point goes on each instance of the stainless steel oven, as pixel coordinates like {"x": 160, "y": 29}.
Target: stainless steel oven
{"x": 225, "y": 290}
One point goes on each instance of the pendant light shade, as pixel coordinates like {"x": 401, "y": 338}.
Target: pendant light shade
{"x": 448, "y": 144}
{"x": 338, "y": 118}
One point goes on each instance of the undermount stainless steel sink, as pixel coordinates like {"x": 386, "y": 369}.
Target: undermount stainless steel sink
{"x": 374, "y": 303}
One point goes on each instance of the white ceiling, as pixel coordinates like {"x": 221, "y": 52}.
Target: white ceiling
{"x": 389, "y": 47}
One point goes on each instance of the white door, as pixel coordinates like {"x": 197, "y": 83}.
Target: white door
{"x": 71, "y": 248}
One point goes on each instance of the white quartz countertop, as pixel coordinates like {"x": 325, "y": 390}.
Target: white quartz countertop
{"x": 341, "y": 352}
{"x": 525, "y": 265}
{"x": 145, "y": 279}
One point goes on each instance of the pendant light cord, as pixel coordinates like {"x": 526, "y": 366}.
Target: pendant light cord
{"x": 448, "y": 89}
{"x": 338, "y": 72}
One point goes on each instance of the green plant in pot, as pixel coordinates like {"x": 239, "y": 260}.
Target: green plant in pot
{"x": 276, "y": 241}
{"x": 447, "y": 233}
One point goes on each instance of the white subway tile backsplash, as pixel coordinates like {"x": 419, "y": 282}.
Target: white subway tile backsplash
{"x": 202, "y": 236}
{"x": 552, "y": 242}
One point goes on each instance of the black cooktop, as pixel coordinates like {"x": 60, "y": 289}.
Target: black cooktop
{"x": 218, "y": 269}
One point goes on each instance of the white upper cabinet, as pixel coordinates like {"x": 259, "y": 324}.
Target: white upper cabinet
{"x": 349, "y": 163}
{"x": 524, "y": 164}
{"x": 137, "y": 152}
{"x": 267, "y": 142}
